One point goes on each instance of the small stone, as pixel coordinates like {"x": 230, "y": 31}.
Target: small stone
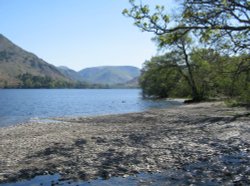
{"x": 125, "y": 176}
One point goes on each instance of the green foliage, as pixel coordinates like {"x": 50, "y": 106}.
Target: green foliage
{"x": 203, "y": 63}
{"x": 219, "y": 23}
{"x": 214, "y": 76}
{"x": 33, "y": 81}
{"x": 161, "y": 78}
{"x": 223, "y": 26}
{"x": 240, "y": 78}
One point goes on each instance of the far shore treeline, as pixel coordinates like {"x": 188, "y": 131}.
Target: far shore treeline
{"x": 29, "y": 81}
{"x": 206, "y": 46}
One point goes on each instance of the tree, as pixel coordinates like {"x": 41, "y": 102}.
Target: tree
{"x": 237, "y": 71}
{"x": 169, "y": 75}
{"x": 161, "y": 78}
{"x": 181, "y": 44}
{"x": 225, "y": 23}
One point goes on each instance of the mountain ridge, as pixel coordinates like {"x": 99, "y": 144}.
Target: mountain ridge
{"x": 15, "y": 61}
{"x": 20, "y": 68}
{"x": 71, "y": 74}
{"x": 109, "y": 74}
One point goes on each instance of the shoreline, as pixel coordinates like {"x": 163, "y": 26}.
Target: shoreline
{"x": 157, "y": 140}
{"x": 9, "y": 121}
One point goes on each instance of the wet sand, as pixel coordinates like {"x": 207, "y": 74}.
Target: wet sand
{"x": 197, "y": 143}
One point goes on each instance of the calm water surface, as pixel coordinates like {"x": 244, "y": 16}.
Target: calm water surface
{"x": 22, "y": 105}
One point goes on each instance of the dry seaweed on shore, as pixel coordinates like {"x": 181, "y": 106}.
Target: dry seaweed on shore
{"x": 205, "y": 142}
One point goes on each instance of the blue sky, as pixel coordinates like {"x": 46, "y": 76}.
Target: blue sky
{"x": 76, "y": 33}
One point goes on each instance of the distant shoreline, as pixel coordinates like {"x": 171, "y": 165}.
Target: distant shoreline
{"x": 119, "y": 145}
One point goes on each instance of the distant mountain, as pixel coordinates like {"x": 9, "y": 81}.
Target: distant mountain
{"x": 20, "y": 68}
{"x": 15, "y": 61}
{"x": 109, "y": 74}
{"x": 71, "y": 74}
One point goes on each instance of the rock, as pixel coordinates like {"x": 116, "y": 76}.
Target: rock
{"x": 125, "y": 176}
{"x": 187, "y": 140}
{"x": 80, "y": 142}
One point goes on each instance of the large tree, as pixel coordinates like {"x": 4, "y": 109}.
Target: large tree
{"x": 225, "y": 23}
{"x": 162, "y": 77}
{"x": 182, "y": 45}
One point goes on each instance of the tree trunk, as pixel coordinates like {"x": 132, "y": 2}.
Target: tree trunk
{"x": 195, "y": 93}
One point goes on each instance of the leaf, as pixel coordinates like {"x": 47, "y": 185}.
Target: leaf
{"x": 166, "y": 18}
{"x": 145, "y": 9}
{"x": 155, "y": 18}
{"x": 138, "y": 15}
{"x": 125, "y": 11}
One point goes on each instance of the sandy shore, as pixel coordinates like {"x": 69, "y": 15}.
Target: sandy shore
{"x": 207, "y": 142}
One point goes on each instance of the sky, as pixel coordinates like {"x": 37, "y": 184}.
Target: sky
{"x": 77, "y": 33}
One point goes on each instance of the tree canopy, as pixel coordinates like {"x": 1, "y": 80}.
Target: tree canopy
{"x": 214, "y": 76}
{"x": 208, "y": 48}
{"x": 223, "y": 22}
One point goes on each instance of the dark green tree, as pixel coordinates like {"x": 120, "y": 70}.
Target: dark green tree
{"x": 161, "y": 78}
{"x": 169, "y": 75}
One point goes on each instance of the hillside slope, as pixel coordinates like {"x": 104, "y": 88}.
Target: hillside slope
{"x": 15, "y": 61}
{"x": 110, "y": 74}
{"x": 71, "y": 74}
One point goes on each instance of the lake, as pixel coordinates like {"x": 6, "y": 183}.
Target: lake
{"x": 23, "y": 105}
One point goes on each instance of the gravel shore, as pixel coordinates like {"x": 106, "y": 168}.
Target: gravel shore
{"x": 199, "y": 143}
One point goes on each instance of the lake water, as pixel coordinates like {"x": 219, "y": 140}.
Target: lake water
{"x": 22, "y": 105}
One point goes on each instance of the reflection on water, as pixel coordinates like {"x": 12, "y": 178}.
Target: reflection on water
{"x": 18, "y": 105}
{"x": 54, "y": 180}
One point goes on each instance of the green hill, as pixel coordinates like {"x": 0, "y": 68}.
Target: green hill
{"x": 22, "y": 69}
{"x": 16, "y": 63}
{"x": 110, "y": 74}
{"x": 71, "y": 74}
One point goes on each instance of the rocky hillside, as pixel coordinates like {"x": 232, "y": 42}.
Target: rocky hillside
{"x": 15, "y": 61}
